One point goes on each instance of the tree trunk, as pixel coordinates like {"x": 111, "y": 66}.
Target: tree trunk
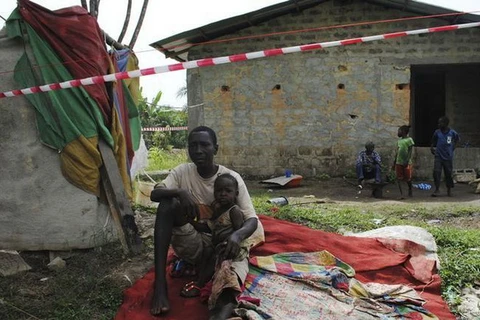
{"x": 125, "y": 22}
{"x": 84, "y": 4}
{"x": 97, "y": 8}
{"x": 139, "y": 24}
{"x": 111, "y": 42}
{"x": 93, "y": 8}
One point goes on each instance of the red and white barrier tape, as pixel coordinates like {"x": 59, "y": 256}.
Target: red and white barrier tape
{"x": 226, "y": 59}
{"x": 151, "y": 129}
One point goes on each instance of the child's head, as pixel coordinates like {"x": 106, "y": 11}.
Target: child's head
{"x": 225, "y": 189}
{"x": 369, "y": 147}
{"x": 403, "y": 131}
{"x": 443, "y": 122}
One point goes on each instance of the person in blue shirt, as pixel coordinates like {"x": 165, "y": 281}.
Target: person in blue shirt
{"x": 368, "y": 164}
{"x": 444, "y": 141}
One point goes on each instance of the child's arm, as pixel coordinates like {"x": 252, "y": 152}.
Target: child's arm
{"x": 409, "y": 156}
{"x": 201, "y": 226}
{"x": 247, "y": 228}
{"x": 236, "y": 216}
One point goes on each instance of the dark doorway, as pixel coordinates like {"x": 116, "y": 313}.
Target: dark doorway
{"x": 428, "y": 101}
{"x": 452, "y": 90}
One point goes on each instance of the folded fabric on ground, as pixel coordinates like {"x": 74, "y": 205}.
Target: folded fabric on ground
{"x": 317, "y": 285}
{"x": 372, "y": 261}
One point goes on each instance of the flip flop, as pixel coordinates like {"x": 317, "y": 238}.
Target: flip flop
{"x": 190, "y": 290}
{"x": 181, "y": 268}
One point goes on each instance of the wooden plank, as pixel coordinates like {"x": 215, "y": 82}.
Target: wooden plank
{"x": 120, "y": 208}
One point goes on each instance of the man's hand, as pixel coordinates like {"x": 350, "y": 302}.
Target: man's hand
{"x": 432, "y": 150}
{"x": 232, "y": 247}
{"x": 188, "y": 205}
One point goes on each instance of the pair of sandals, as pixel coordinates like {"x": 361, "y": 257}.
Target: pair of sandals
{"x": 180, "y": 268}
{"x": 191, "y": 290}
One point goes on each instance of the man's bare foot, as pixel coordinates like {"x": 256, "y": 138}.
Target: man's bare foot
{"x": 160, "y": 303}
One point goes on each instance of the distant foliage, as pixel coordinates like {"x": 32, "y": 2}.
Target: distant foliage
{"x": 161, "y": 159}
{"x": 154, "y": 115}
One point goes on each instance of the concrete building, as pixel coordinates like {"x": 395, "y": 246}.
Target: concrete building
{"x": 313, "y": 112}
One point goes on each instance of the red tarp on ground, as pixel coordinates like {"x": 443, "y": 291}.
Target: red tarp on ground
{"x": 372, "y": 261}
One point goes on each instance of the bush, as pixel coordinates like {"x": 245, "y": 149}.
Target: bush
{"x": 161, "y": 159}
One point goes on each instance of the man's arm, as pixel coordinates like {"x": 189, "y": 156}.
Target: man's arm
{"x": 376, "y": 158}
{"x": 456, "y": 139}
{"x": 187, "y": 203}
{"x": 360, "y": 158}
{"x": 434, "y": 143}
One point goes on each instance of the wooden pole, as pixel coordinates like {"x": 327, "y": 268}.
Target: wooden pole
{"x": 120, "y": 208}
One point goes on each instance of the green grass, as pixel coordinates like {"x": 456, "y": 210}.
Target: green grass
{"x": 458, "y": 248}
{"x": 161, "y": 159}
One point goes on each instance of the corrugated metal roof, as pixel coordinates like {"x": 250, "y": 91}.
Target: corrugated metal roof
{"x": 177, "y": 46}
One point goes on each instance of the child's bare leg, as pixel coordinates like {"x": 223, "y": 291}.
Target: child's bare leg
{"x": 399, "y": 182}
{"x": 227, "y": 301}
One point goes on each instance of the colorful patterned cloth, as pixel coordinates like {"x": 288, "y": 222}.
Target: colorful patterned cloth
{"x": 318, "y": 285}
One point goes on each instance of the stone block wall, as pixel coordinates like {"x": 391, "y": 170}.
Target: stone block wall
{"x": 314, "y": 111}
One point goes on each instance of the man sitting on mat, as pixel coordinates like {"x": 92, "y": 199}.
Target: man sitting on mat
{"x": 185, "y": 197}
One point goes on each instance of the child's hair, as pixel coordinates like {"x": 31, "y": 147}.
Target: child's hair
{"x": 369, "y": 145}
{"x": 226, "y": 176}
{"x": 445, "y": 120}
{"x": 405, "y": 129}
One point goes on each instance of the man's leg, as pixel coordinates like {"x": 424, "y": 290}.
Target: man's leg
{"x": 359, "y": 169}
{"x": 167, "y": 217}
{"x": 378, "y": 173}
{"x": 437, "y": 174}
{"x": 448, "y": 171}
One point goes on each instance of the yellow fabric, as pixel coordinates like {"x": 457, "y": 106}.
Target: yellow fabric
{"x": 120, "y": 152}
{"x": 80, "y": 163}
{"x": 81, "y": 160}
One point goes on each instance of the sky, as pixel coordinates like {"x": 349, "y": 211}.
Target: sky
{"x": 168, "y": 18}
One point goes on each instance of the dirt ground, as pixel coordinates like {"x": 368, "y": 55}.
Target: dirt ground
{"x": 346, "y": 192}
{"x": 338, "y": 189}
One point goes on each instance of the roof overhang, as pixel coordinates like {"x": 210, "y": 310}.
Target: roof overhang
{"x": 177, "y": 46}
